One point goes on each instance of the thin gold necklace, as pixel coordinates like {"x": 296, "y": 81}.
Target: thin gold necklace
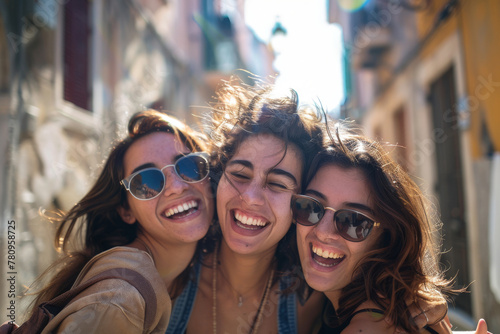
{"x": 240, "y": 296}
{"x": 260, "y": 312}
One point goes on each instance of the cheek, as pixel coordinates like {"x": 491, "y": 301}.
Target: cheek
{"x": 282, "y": 211}
{"x": 301, "y": 237}
{"x": 224, "y": 187}
{"x": 300, "y": 233}
{"x": 359, "y": 250}
{"x": 143, "y": 208}
{"x": 222, "y": 192}
{"x": 205, "y": 189}
{"x": 224, "y": 195}
{"x": 372, "y": 242}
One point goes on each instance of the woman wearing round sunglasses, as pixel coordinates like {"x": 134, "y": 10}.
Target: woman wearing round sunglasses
{"x": 146, "y": 212}
{"x": 365, "y": 239}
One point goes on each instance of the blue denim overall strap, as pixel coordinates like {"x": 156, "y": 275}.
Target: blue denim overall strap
{"x": 183, "y": 305}
{"x": 287, "y": 312}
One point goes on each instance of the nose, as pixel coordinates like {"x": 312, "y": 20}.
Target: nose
{"x": 173, "y": 183}
{"x": 253, "y": 194}
{"x": 326, "y": 229}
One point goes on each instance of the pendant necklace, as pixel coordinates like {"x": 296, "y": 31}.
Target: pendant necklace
{"x": 240, "y": 296}
{"x": 260, "y": 312}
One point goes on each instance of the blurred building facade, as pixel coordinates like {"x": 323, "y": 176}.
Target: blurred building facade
{"x": 423, "y": 75}
{"x": 72, "y": 72}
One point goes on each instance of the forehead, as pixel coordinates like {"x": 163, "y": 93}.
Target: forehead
{"x": 341, "y": 185}
{"x": 266, "y": 149}
{"x": 159, "y": 148}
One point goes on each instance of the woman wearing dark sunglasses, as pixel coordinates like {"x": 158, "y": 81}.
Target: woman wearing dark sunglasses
{"x": 365, "y": 239}
{"x": 146, "y": 212}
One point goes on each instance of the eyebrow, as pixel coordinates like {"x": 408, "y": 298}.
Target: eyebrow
{"x": 143, "y": 166}
{"x": 352, "y": 205}
{"x": 277, "y": 171}
{"x": 150, "y": 164}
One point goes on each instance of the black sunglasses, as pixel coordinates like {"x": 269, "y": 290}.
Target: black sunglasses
{"x": 351, "y": 225}
{"x": 149, "y": 183}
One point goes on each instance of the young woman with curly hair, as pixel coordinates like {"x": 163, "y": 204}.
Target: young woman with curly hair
{"x": 262, "y": 143}
{"x": 367, "y": 237}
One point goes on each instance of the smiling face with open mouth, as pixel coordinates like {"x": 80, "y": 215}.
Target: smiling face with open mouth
{"x": 253, "y": 196}
{"x": 328, "y": 260}
{"x": 182, "y": 212}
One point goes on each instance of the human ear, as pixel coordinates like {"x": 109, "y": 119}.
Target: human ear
{"x": 127, "y": 215}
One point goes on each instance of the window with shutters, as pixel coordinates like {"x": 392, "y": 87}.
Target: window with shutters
{"x": 76, "y": 54}
{"x": 400, "y": 128}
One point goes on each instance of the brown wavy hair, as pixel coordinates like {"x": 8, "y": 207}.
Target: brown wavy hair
{"x": 93, "y": 225}
{"x": 403, "y": 268}
{"x": 241, "y": 111}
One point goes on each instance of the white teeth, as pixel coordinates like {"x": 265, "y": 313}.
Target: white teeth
{"x": 324, "y": 265}
{"x": 181, "y": 208}
{"x": 326, "y": 254}
{"x": 249, "y": 220}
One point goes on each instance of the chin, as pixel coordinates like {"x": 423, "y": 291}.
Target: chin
{"x": 239, "y": 246}
{"x": 319, "y": 282}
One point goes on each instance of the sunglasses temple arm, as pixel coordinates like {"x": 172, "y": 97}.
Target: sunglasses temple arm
{"x": 125, "y": 184}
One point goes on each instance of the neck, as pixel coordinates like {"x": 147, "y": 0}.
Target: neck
{"x": 245, "y": 272}
{"x": 249, "y": 276}
{"x": 333, "y": 297}
{"x": 169, "y": 260}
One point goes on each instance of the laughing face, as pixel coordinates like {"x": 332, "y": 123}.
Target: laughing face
{"x": 328, "y": 260}
{"x": 183, "y": 211}
{"x": 253, "y": 196}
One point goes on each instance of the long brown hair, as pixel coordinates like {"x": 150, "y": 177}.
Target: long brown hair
{"x": 93, "y": 225}
{"x": 242, "y": 111}
{"x": 403, "y": 267}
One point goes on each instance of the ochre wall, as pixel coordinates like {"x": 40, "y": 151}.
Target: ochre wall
{"x": 479, "y": 26}
{"x": 480, "y": 33}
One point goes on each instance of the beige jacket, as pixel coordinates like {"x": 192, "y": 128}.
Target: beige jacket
{"x": 113, "y": 305}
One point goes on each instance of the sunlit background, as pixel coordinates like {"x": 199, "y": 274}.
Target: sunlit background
{"x": 421, "y": 76}
{"x": 306, "y": 35}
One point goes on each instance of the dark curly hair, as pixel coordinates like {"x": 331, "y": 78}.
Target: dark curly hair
{"x": 403, "y": 267}
{"x": 241, "y": 111}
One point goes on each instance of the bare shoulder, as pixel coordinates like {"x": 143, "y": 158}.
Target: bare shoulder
{"x": 369, "y": 321}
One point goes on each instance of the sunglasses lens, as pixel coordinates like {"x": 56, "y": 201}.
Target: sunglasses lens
{"x": 147, "y": 184}
{"x": 306, "y": 211}
{"x": 192, "y": 168}
{"x": 353, "y": 226}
